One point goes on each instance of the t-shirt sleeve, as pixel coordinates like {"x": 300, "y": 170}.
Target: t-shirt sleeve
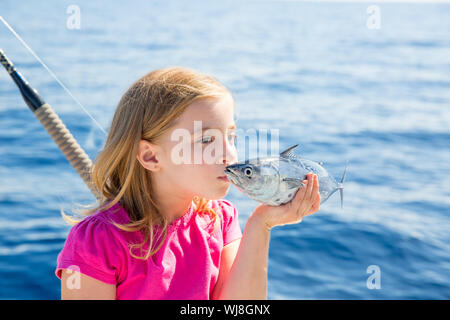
{"x": 231, "y": 227}
{"x": 91, "y": 249}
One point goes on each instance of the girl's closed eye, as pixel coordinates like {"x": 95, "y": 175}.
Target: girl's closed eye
{"x": 208, "y": 139}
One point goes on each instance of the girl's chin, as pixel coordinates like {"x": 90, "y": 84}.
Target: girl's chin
{"x": 218, "y": 193}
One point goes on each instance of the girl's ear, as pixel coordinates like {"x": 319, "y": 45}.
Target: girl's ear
{"x": 147, "y": 156}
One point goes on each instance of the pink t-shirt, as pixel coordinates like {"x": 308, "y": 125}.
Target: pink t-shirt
{"x": 185, "y": 267}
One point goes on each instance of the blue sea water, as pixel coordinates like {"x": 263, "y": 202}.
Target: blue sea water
{"x": 379, "y": 98}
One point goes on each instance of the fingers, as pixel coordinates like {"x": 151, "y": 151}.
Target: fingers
{"x": 311, "y": 199}
{"x": 316, "y": 206}
{"x": 315, "y": 190}
{"x": 306, "y": 195}
{"x": 300, "y": 195}
{"x": 310, "y": 186}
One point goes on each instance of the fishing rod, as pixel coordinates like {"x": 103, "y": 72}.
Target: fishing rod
{"x": 65, "y": 141}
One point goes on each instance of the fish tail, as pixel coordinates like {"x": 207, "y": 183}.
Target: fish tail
{"x": 345, "y": 173}
{"x": 341, "y": 185}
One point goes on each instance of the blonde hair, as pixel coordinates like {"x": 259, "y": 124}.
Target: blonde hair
{"x": 146, "y": 111}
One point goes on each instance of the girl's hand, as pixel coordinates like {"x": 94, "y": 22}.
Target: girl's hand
{"x": 305, "y": 202}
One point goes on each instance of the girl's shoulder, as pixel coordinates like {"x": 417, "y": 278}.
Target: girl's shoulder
{"x": 99, "y": 224}
{"x": 114, "y": 214}
{"x": 95, "y": 247}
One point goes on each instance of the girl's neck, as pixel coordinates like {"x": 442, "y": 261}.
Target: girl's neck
{"x": 173, "y": 207}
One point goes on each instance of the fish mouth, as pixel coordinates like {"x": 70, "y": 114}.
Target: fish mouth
{"x": 229, "y": 173}
{"x": 232, "y": 176}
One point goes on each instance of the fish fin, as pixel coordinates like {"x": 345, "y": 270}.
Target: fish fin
{"x": 288, "y": 152}
{"x": 293, "y": 182}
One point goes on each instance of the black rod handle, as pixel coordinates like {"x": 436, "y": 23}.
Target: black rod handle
{"x": 65, "y": 141}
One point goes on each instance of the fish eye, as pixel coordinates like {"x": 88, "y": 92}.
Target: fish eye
{"x": 248, "y": 171}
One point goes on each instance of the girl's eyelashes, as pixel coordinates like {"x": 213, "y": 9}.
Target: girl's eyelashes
{"x": 207, "y": 139}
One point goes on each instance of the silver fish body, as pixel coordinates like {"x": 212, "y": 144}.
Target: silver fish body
{"x": 275, "y": 180}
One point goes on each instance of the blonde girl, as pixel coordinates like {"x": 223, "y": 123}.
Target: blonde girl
{"x": 161, "y": 229}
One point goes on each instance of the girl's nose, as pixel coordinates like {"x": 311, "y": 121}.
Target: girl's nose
{"x": 230, "y": 153}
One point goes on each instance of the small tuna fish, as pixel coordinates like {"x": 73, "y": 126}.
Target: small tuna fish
{"x": 275, "y": 180}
